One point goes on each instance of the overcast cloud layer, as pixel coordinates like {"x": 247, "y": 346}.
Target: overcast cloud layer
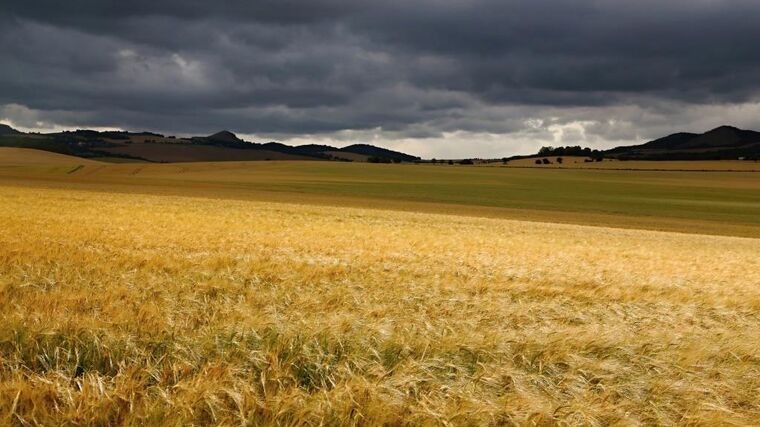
{"x": 438, "y": 78}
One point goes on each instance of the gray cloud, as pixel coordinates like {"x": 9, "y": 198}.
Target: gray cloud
{"x": 608, "y": 71}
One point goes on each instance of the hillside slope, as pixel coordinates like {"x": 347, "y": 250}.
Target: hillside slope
{"x": 7, "y": 130}
{"x": 378, "y": 152}
{"x": 28, "y": 156}
{"x": 171, "y": 153}
{"x": 722, "y": 143}
{"x": 220, "y": 146}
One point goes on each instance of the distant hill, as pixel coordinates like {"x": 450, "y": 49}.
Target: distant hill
{"x": 7, "y": 130}
{"x": 721, "y": 137}
{"x": 377, "y": 152}
{"x": 322, "y": 152}
{"x": 225, "y": 136}
{"x": 220, "y": 146}
{"x": 721, "y": 143}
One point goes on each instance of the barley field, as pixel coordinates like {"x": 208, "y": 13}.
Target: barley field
{"x": 718, "y": 202}
{"x": 140, "y": 309}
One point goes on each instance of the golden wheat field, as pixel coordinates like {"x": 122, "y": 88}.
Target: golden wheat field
{"x": 153, "y": 310}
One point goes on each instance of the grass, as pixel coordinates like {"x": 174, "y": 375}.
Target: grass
{"x": 726, "y": 203}
{"x": 142, "y": 309}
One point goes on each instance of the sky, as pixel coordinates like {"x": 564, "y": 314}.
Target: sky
{"x": 435, "y": 78}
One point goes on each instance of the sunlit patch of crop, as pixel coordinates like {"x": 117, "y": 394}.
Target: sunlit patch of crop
{"x": 147, "y": 310}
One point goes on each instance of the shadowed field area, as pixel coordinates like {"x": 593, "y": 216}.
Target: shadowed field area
{"x": 144, "y": 309}
{"x": 726, "y": 203}
{"x": 11, "y": 157}
{"x": 575, "y": 162}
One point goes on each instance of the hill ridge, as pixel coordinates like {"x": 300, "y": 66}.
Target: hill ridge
{"x": 7, "y": 130}
{"x": 220, "y": 146}
{"x": 720, "y": 143}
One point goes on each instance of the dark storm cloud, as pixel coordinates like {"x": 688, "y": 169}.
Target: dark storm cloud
{"x": 412, "y": 68}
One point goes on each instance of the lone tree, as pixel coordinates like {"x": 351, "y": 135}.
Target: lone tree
{"x": 538, "y": 161}
{"x": 559, "y": 160}
{"x": 546, "y": 161}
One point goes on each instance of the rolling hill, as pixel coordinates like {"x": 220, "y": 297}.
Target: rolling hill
{"x": 11, "y": 156}
{"x": 361, "y": 152}
{"x": 7, "y": 130}
{"x": 172, "y": 153}
{"x": 722, "y": 143}
{"x": 220, "y": 146}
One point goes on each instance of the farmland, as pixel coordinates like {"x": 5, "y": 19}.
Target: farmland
{"x": 573, "y": 162}
{"x": 278, "y": 292}
{"x": 688, "y": 201}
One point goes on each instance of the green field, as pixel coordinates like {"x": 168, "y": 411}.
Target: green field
{"x": 701, "y": 202}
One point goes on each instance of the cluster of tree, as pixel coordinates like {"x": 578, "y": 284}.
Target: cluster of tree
{"x": 337, "y": 158}
{"x": 376, "y": 159}
{"x": 88, "y": 134}
{"x": 571, "y": 151}
{"x": 451, "y": 162}
{"x": 79, "y": 140}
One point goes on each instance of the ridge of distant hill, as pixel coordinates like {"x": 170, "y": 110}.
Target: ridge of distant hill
{"x": 154, "y": 147}
{"x": 378, "y": 152}
{"x": 721, "y": 143}
{"x": 7, "y": 130}
{"x": 316, "y": 151}
{"x": 225, "y": 136}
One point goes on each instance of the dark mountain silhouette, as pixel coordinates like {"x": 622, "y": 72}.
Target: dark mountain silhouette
{"x": 221, "y": 146}
{"x": 724, "y": 136}
{"x": 721, "y": 143}
{"x": 7, "y": 130}
{"x": 372, "y": 151}
{"x": 313, "y": 149}
{"x": 325, "y": 152}
{"x": 670, "y": 141}
{"x": 224, "y": 136}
